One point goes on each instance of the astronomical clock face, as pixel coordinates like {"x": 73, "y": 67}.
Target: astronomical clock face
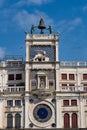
{"x": 42, "y": 113}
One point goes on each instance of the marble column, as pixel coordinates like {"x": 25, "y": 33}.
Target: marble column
{"x": 27, "y": 80}
{"x": 26, "y": 113}
{"x": 57, "y": 113}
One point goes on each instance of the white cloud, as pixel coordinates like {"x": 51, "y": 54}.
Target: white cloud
{"x": 25, "y": 19}
{"x": 1, "y": 2}
{"x": 29, "y": 2}
{"x": 85, "y": 8}
{"x": 2, "y": 52}
{"x": 39, "y": 2}
{"x": 74, "y": 23}
{"x": 69, "y": 25}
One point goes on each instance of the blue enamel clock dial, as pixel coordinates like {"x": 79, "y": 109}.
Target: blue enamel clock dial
{"x": 42, "y": 112}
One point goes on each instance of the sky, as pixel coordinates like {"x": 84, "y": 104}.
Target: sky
{"x": 67, "y": 17}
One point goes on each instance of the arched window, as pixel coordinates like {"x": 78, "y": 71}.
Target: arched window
{"x": 9, "y": 121}
{"x": 66, "y": 120}
{"x": 17, "y": 120}
{"x": 74, "y": 120}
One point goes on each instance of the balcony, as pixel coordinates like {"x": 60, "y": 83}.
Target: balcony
{"x": 13, "y": 109}
{"x": 14, "y": 64}
{"x": 12, "y": 89}
{"x": 73, "y": 63}
{"x": 42, "y": 93}
{"x": 73, "y": 88}
{"x": 13, "y": 57}
{"x": 41, "y": 37}
{"x": 12, "y": 61}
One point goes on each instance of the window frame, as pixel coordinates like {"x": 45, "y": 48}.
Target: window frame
{"x": 19, "y": 76}
{"x": 64, "y": 85}
{"x": 71, "y": 76}
{"x": 64, "y": 76}
{"x": 73, "y": 102}
{"x": 10, "y": 77}
{"x": 33, "y": 83}
{"x": 17, "y": 121}
{"x": 9, "y": 120}
{"x": 9, "y": 103}
{"x": 51, "y": 81}
{"x": 85, "y": 76}
{"x": 17, "y": 104}
{"x": 66, "y": 103}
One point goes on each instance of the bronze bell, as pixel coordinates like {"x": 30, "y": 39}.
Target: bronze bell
{"x": 41, "y": 25}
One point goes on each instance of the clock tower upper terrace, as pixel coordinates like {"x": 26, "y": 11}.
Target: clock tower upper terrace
{"x": 42, "y": 39}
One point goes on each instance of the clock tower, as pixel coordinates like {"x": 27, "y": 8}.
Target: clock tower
{"x": 42, "y": 81}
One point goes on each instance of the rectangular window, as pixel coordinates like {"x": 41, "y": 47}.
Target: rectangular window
{"x": 17, "y": 102}
{"x": 20, "y": 84}
{"x": 51, "y": 83}
{"x": 71, "y": 84}
{"x": 64, "y": 84}
{"x": 65, "y": 102}
{"x": 11, "y": 77}
{"x": 73, "y": 102}
{"x": 71, "y": 77}
{"x": 86, "y": 102}
{"x": 33, "y": 83}
{"x": 11, "y": 85}
{"x": 84, "y": 84}
{"x": 84, "y": 76}
{"x": 64, "y": 76}
{"x": 85, "y": 88}
{"x": 10, "y": 103}
{"x": 18, "y": 76}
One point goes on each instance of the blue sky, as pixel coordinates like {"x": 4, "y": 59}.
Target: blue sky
{"x": 68, "y": 17}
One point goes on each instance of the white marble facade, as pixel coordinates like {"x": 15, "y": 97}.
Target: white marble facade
{"x": 42, "y": 92}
